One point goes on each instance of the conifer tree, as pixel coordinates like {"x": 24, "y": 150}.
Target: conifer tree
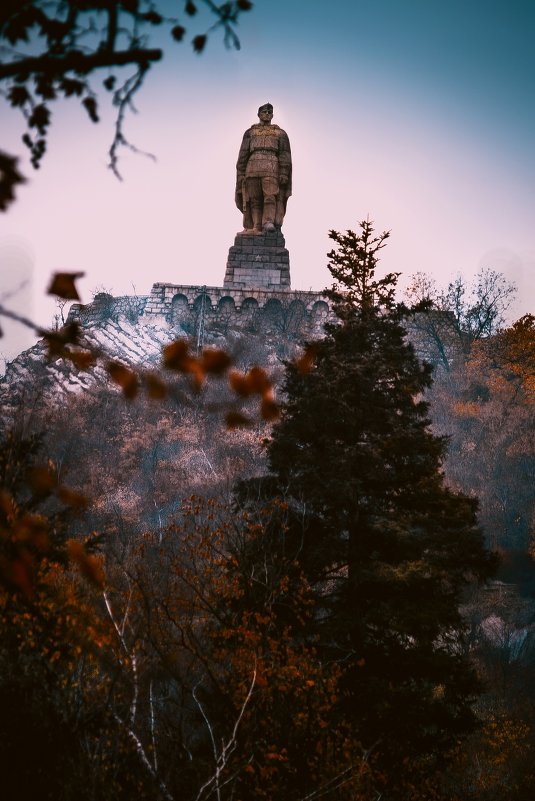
{"x": 386, "y": 545}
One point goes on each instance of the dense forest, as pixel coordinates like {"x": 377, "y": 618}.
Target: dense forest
{"x": 238, "y": 580}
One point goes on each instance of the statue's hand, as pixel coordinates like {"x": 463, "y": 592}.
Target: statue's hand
{"x": 283, "y": 180}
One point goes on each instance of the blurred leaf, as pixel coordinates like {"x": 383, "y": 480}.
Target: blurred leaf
{"x": 7, "y": 505}
{"x": 18, "y": 95}
{"x": 152, "y": 17}
{"x": 155, "y": 387}
{"x": 269, "y": 409}
{"x": 90, "y": 566}
{"x": 71, "y": 86}
{"x": 306, "y": 362}
{"x": 258, "y": 380}
{"x": 240, "y": 385}
{"x": 178, "y": 33}
{"x": 62, "y": 285}
{"x": 90, "y": 105}
{"x": 194, "y": 368}
{"x": 33, "y": 529}
{"x": 9, "y": 178}
{"x": 39, "y": 118}
{"x": 244, "y": 5}
{"x": 236, "y": 420}
{"x": 176, "y": 355}
{"x": 72, "y": 498}
{"x": 56, "y": 340}
{"x": 190, "y": 8}
{"x": 18, "y": 573}
{"x": 42, "y": 480}
{"x": 45, "y": 87}
{"x": 125, "y": 378}
{"x": 199, "y": 43}
{"x": 215, "y": 361}
{"x": 82, "y": 359}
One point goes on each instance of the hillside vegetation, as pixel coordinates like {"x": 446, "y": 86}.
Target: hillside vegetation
{"x": 268, "y": 570}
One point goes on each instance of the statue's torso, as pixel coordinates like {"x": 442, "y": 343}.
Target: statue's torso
{"x": 264, "y": 151}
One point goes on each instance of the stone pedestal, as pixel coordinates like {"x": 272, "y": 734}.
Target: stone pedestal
{"x": 258, "y": 261}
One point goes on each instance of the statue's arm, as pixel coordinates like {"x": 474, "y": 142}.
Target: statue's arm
{"x": 285, "y": 158}
{"x": 243, "y": 155}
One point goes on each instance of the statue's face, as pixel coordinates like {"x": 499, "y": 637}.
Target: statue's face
{"x": 265, "y": 115}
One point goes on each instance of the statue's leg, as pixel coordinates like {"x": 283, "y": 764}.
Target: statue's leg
{"x": 247, "y": 219}
{"x": 254, "y": 196}
{"x": 270, "y": 190}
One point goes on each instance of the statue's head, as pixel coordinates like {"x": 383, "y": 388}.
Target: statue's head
{"x": 265, "y": 112}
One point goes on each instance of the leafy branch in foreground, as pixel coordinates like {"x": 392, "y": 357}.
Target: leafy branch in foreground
{"x": 177, "y": 358}
{"x": 51, "y": 49}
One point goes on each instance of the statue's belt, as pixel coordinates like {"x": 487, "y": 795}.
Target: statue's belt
{"x": 264, "y": 150}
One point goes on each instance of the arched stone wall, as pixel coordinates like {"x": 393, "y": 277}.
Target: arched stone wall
{"x": 273, "y": 316}
{"x": 297, "y": 314}
{"x": 180, "y": 311}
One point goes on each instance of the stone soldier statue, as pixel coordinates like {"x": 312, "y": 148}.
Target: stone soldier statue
{"x": 264, "y": 174}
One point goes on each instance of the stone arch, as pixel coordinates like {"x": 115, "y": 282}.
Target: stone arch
{"x": 226, "y": 302}
{"x": 320, "y": 310}
{"x": 249, "y": 304}
{"x": 200, "y": 300}
{"x": 295, "y": 317}
{"x": 273, "y": 315}
{"x": 318, "y": 316}
{"x": 250, "y": 314}
{"x": 226, "y": 312}
{"x": 180, "y": 312}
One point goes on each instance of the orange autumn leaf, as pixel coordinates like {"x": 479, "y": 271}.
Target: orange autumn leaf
{"x": 42, "y": 480}
{"x": 215, "y": 361}
{"x": 175, "y": 355}
{"x": 239, "y": 384}
{"x": 82, "y": 359}
{"x": 72, "y": 498}
{"x": 7, "y": 504}
{"x": 194, "y": 368}
{"x": 17, "y": 573}
{"x": 90, "y": 566}
{"x": 269, "y": 409}
{"x": 69, "y": 334}
{"x": 155, "y": 387}
{"x": 258, "y": 380}
{"x": 62, "y": 285}
{"x": 306, "y": 362}
{"x": 33, "y": 529}
{"x": 255, "y": 382}
{"x": 125, "y": 378}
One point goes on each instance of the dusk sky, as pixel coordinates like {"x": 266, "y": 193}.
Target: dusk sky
{"x": 418, "y": 113}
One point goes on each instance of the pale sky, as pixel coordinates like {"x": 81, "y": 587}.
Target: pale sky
{"x": 418, "y": 113}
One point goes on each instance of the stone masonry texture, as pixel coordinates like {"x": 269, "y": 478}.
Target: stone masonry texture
{"x": 258, "y": 261}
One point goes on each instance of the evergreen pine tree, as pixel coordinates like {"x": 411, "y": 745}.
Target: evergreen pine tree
{"x": 386, "y": 545}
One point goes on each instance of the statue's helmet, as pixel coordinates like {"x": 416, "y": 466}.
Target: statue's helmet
{"x": 265, "y": 107}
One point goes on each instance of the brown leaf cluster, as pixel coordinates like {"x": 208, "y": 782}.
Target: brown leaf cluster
{"x": 89, "y": 565}
{"x": 63, "y": 286}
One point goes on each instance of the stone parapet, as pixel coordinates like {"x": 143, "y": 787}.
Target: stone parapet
{"x": 258, "y": 260}
{"x": 107, "y": 307}
{"x": 296, "y": 313}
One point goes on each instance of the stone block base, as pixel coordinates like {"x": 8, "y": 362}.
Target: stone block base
{"x": 258, "y": 261}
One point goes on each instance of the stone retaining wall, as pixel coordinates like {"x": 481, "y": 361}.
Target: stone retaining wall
{"x": 294, "y": 313}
